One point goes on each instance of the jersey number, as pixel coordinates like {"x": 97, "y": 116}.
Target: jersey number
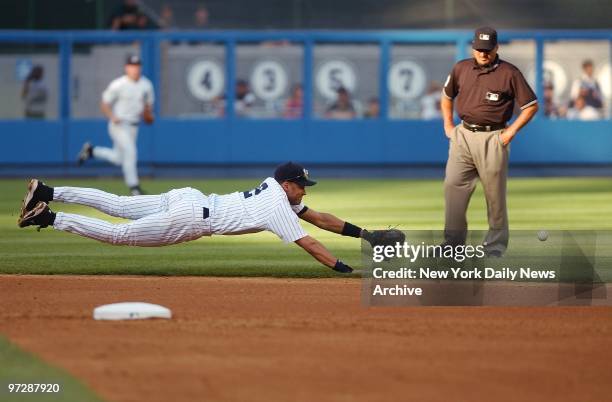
{"x": 255, "y": 191}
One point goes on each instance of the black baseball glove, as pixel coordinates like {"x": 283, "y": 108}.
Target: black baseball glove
{"x": 389, "y": 237}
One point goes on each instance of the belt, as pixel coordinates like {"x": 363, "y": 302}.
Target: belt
{"x": 479, "y": 127}
{"x": 205, "y": 213}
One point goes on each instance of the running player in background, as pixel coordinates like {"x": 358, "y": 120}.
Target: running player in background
{"x": 187, "y": 214}
{"x": 124, "y": 102}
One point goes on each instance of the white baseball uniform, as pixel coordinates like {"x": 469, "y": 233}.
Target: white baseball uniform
{"x": 127, "y": 99}
{"x": 181, "y": 215}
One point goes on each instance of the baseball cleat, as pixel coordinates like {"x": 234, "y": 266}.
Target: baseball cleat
{"x": 136, "y": 190}
{"x": 40, "y": 216}
{"x": 86, "y": 153}
{"x": 37, "y": 191}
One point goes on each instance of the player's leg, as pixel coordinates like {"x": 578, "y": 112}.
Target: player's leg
{"x": 169, "y": 227}
{"x": 160, "y": 229}
{"x": 493, "y": 176}
{"x": 128, "y": 207}
{"x": 129, "y": 162}
{"x": 112, "y": 155}
{"x": 459, "y": 184}
{"x": 111, "y": 204}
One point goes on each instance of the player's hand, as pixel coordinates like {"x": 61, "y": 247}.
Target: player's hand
{"x": 115, "y": 120}
{"x": 448, "y": 130}
{"x": 342, "y": 267}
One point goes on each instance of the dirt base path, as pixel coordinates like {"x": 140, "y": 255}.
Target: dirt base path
{"x": 268, "y": 340}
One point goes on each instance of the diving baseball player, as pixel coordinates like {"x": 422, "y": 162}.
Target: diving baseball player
{"x": 187, "y": 214}
{"x": 125, "y": 101}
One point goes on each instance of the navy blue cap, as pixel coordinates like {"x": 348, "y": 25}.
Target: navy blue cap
{"x": 133, "y": 59}
{"x": 293, "y": 172}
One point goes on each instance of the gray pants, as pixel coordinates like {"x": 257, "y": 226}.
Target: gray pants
{"x": 472, "y": 156}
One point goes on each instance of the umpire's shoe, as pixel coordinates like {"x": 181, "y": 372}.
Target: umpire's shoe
{"x": 86, "y": 153}
{"x": 40, "y": 216}
{"x": 37, "y": 191}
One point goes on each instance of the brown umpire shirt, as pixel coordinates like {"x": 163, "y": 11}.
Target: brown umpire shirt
{"x": 486, "y": 95}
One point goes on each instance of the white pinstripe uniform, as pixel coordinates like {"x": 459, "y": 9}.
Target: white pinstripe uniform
{"x": 127, "y": 99}
{"x": 181, "y": 215}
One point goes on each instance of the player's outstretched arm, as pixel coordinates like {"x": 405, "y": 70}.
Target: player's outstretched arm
{"x": 321, "y": 254}
{"x": 333, "y": 224}
{"x": 324, "y": 220}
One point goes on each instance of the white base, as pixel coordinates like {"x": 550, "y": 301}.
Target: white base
{"x": 130, "y": 311}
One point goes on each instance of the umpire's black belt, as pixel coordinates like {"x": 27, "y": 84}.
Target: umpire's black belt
{"x": 479, "y": 127}
{"x": 205, "y": 213}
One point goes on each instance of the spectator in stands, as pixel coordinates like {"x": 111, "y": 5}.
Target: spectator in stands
{"x": 551, "y": 110}
{"x": 166, "y": 17}
{"x": 244, "y": 98}
{"x": 373, "y": 108}
{"x": 588, "y": 88}
{"x": 342, "y": 108}
{"x": 215, "y": 108}
{"x": 430, "y": 103}
{"x": 145, "y": 23}
{"x": 293, "y": 106}
{"x": 128, "y": 16}
{"x": 582, "y": 111}
{"x": 200, "y": 17}
{"x": 34, "y": 93}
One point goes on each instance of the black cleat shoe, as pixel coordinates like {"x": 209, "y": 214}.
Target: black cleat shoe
{"x": 40, "y": 216}
{"x": 86, "y": 153}
{"x": 136, "y": 190}
{"x": 37, "y": 191}
{"x": 493, "y": 254}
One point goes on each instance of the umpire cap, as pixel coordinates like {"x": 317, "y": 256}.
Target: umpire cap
{"x": 293, "y": 172}
{"x": 485, "y": 38}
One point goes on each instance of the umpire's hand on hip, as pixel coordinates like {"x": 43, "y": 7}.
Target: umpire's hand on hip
{"x": 506, "y": 136}
{"x": 448, "y": 130}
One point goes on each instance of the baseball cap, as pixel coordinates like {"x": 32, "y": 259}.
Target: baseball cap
{"x": 293, "y": 172}
{"x": 133, "y": 59}
{"x": 485, "y": 38}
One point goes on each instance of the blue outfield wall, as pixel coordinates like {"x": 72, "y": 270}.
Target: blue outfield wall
{"x": 322, "y": 142}
{"x": 232, "y": 140}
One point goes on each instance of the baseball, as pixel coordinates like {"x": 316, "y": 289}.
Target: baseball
{"x": 542, "y": 235}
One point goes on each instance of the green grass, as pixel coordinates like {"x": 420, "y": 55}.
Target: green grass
{"x": 21, "y": 367}
{"x": 557, "y": 203}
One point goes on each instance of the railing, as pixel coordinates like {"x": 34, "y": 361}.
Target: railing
{"x": 228, "y": 137}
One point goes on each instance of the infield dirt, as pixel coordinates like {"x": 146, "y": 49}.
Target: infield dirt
{"x": 261, "y": 339}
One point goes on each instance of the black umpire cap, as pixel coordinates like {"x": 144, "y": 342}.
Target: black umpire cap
{"x": 485, "y": 38}
{"x": 133, "y": 59}
{"x": 293, "y": 172}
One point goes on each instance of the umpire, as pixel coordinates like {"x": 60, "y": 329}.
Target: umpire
{"x": 485, "y": 90}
